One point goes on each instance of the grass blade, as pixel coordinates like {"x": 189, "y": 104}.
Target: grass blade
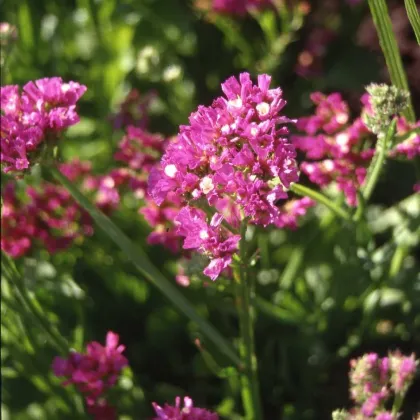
{"x": 141, "y": 261}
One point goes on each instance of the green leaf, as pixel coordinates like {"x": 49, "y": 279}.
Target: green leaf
{"x": 389, "y": 46}
{"x": 414, "y": 17}
{"x": 141, "y": 261}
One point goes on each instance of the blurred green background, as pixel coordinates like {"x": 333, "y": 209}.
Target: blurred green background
{"x": 326, "y": 298}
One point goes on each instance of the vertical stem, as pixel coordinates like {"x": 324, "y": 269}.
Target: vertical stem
{"x": 244, "y": 300}
{"x": 383, "y": 24}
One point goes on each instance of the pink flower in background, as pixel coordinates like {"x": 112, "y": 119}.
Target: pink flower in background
{"x": 234, "y": 149}
{"x": 185, "y": 412}
{"x": 403, "y": 371}
{"x": 409, "y": 147}
{"x": 339, "y": 150}
{"x": 47, "y": 215}
{"x": 375, "y": 382}
{"x": 140, "y": 151}
{"x": 161, "y": 219}
{"x": 35, "y": 117}
{"x": 94, "y": 373}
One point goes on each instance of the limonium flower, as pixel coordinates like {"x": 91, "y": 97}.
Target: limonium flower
{"x": 94, "y": 373}
{"x": 233, "y": 158}
{"x": 186, "y": 411}
{"x": 339, "y": 149}
{"x": 235, "y": 149}
{"x": 374, "y": 382}
{"x": 46, "y": 215}
{"x": 33, "y": 119}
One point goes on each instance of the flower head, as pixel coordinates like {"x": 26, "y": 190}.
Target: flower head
{"x": 233, "y": 150}
{"x": 94, "y": 372}
{"x": 34, "y": 118}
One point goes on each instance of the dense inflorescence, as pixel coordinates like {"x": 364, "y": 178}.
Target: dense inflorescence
{"x": 374, "y": 381}
{"x": 94, "y": 373}
{"x": 33, "y": 119}
{"x": 233, "y": 160}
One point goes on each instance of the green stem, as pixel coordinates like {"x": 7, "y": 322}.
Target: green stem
{"x": 375, "y": 168}
{"x": 398, "y": 400}
{"x": 383, "y": 24}
{"x": 11, "y": 272}
{"x": 320, "y": 198}
{"x": 413, "y": 16}
{"x": 143, "y": 264}
{"x": 244, "y": 301}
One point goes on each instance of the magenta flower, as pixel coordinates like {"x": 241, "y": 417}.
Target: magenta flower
{"x": 35, "y": 117}
{"x": 403, "y": 371}
{"x": 338, "y": 150}
{"x": 374, "y": 381}
{"x": 48, "y": 216}
{"x": 187, "y": 412}
{"x": 410, "y": 146}
{"x": 212, "y": 240}
{"x": 236, "y": 149}
{"x": 94, "y": 373}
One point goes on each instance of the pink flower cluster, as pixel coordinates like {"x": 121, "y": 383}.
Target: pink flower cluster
{"x": 234, "y": 149}
{"x": 373, "y": 381}
{"x": 34, "y": 118}
{"x": 339, "y": 150}
{"x": 233, "y": 157}
{"x": 185, "y": 412}
{"x": 94, "y": 373}
{"x": 48, "y": 215}
{"x": 239, "y": 7}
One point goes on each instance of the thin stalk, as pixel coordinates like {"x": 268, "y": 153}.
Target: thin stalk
{"x": 143, "y": 264}
{"x": 383, "y": 24}
{"x": 413, "y": 16}
{"x": 320, "y": 198}
{"x": 14, "y": 277}
{"x": 375, "y": 168}
{"x": 249, "y": 375}
{"x": 398, "y": 400}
